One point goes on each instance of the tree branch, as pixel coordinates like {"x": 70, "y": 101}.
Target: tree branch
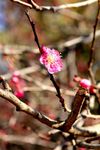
{"x": 25, "y": 108}
{"x": 33, "y": 5}
{"x": 28, "y": 139}
{"x": 62, "y": 125}
{"x": 84, "y": 143}
{"x": 22, "y": 3}
{"x": 34, "y": 30}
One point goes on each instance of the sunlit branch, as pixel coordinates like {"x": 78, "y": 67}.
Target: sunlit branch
{"x": 28, "y": 139}
{"x": 33, "y": 5}
{"x": 86, "y": 142}
{"x": 62, "y": 125}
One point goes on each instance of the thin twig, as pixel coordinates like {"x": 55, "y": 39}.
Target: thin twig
{"x": 92, "y": 49}
{"x": 22, "y": 3}
{"x": 33, "y": 5}
{"x": 28, "y": 139}
{"x": 33, "y": 28}
{"x": 84, "y": 143}
{"x": 58, "y": 92}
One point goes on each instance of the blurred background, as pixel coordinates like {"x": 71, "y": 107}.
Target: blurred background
{"x": 70, "y": 32}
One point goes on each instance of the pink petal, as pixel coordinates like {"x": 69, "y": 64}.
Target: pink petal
{"x": 51, "y": 59}
{"x": 19, "y": 94}
{"x": 85, "y": 83}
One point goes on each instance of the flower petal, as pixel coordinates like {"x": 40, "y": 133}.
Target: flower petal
{"x": 51, "y": 59}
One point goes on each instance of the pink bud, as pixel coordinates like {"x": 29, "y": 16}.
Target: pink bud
{"x": 85, "y": 84}
{"x": 19, "y": 94}
{"x": 15, "y": 77}
{"x": 15, "y": 80}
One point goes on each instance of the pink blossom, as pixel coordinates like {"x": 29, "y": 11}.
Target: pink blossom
{"x": 15, "y": 77}
{"x": 18, "y": 84}
{"x": 19, "y": 94}
{"x": 51, "y": 59}
{"x": 85, "y": 83}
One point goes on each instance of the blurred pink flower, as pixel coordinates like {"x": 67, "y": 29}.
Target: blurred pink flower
{"x": 85, "y": 83}
{"x": 19, "y": 94}
{"x": 51, "y": 59}
{"x": 82, "y": 148}
{"x": 15, "y": 77}
{"x": 18, "y": 84}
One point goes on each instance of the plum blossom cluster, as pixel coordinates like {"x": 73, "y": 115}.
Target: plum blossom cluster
{"x": 51, "y": 59}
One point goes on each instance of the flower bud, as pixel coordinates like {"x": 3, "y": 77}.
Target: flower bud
{"x": 19, "y": 94}
{"x": 84, "y": 83}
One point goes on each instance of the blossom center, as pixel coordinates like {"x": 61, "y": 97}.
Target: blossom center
{"x": 50, "y": 59}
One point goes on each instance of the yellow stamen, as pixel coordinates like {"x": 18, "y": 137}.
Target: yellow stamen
{"x": 50, "y": 58}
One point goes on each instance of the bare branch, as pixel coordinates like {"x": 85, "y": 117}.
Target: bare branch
{"x": 58, "y": 91}
{"x": 85, "y": 143}
{"x": 63, "y": 125}
{"x": 22, "y": 3}
{"x": 21, "y": 106}
{"x": 29, "y": 139}
{"x": 91, "y": 129}
{"x": 33, "y": 5}
{"x": 25, "y": 108}
{"x": 33, "y": 29}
